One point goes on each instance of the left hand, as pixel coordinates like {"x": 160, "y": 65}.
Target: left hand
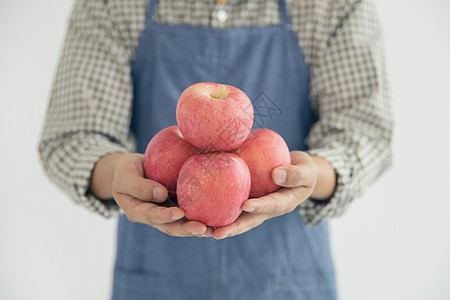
{"x": 297, "y": 180}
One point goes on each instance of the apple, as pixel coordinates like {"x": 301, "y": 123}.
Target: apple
{"x": 262, "y": 151}
{"x": 165, "y": 155}
{"x": 212, "y": 188}
{"x": 213, "y": 116}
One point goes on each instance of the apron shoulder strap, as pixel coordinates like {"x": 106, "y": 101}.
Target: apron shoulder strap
{"x": 151, "y": 8}
{"x": 284, "y": 11}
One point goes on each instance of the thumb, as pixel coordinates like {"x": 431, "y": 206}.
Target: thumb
{"x": 288, "y": 176}
{"x": 302, "y": 171}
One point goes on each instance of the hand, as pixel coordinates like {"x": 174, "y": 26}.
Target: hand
{"x": 298, "y": 182}
{"x": 139, "y": 197}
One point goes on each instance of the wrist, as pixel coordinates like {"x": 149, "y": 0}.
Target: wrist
{"x": 326, "y": 179}
{"x": 102, "y": 176}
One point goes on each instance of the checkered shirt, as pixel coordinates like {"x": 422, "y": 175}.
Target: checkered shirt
{"x": 90, "y": 104}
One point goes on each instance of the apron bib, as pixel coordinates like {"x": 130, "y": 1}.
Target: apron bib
{"x": 282, "y": 258}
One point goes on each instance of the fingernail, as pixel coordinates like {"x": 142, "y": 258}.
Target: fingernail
{"x": 280, "y": 176}
{"x": 158, "y": 194}
{"x": 221, "y": 238}
{"x": 250, "y": 209}
{"x": 173, "y": 218}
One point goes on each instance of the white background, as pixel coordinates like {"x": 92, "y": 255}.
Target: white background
{"x": 394, "y": 243}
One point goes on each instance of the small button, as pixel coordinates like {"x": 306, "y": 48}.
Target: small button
{"x": 222, "y": 16}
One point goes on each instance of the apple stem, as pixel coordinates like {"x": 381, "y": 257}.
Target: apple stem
{"x": 219, "y": 92}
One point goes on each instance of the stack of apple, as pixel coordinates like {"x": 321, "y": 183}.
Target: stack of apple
{"x": 212, "y": 161}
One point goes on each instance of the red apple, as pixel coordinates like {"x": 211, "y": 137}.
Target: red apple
{"x": 212, "y": 187}
{"x": 214, "y": 117}
{"x": 165, "y": 155}
{"x": 262, "y": 151}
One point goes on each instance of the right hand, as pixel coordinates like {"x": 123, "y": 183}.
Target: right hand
{"x": 139, "y": 197}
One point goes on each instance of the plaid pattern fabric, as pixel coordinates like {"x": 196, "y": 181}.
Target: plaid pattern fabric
{"x": 90, "y": 104}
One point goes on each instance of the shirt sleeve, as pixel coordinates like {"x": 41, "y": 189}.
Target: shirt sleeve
{"x": 89, "y": 111}
{"x": 349, "y": 91}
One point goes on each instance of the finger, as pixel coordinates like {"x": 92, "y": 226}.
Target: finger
{"x": 184, "y": 227}
{"x": 208, "y": 232}
{"x": 277, "y": 203}
{"x": 154, "y": 214}
{"x": 293, "y": 175}
{"x": 141, "y": 188}
{"x": 196, "y": 228}
{"x": 243, "y": 223}
{"x": 146, "y": 212}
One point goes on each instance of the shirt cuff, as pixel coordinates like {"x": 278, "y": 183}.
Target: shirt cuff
{"x": 315, "y": 211}
{"x": 82, "y": 179}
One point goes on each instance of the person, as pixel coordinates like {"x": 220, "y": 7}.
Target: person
{"x": 315, "y": 72}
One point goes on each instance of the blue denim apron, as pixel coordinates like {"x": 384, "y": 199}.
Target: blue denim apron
{"x": 282, "y": 258}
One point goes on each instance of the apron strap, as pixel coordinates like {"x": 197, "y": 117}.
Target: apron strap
{"x": 284, "y": 11}
{"x": 150, "y": 12}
